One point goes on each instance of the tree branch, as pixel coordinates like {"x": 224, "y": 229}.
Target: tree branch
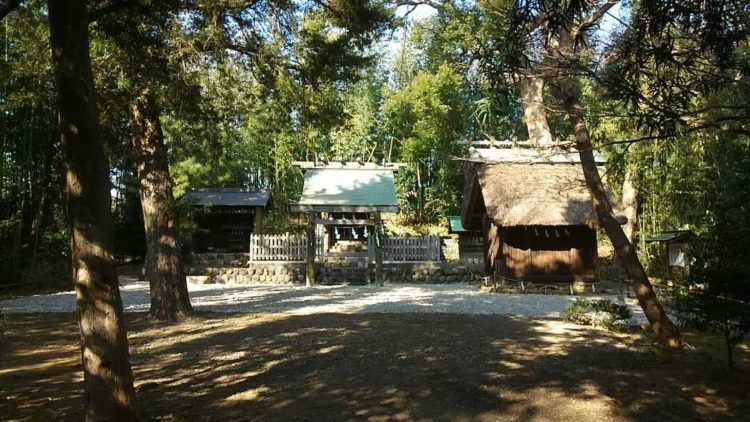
{"x": 594, "y": 18}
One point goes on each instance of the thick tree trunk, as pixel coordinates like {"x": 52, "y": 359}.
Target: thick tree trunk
{"x": 311, "y": 246}
{"x": 164, "y": 267}
{"x": 378, "y": 250}
{"x": 531, "y": 89}
{"x": 630, "y": 195}
{"x": 108, "y": 380}
{"x": 665, "y": 330}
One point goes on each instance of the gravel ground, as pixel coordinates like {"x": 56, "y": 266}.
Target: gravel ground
{"x": 300, "y": 300}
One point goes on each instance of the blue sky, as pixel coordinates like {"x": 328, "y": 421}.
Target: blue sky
{"x": 610, "y": 23}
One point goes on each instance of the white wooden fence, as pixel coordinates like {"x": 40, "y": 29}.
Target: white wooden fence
{"x": 291, "y": 248}
{"x": 407, "y": 248}
{"x": 281, "y": 247}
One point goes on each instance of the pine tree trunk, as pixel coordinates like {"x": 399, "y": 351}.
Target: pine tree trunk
{"x": 630, "y": 196}
{"x": 531, "y": 88}
{"x": 378, "y": 250}
{"x": 665, "y": 330}
{"x": 108, "y": 380}
{"x": 311, "y": 246}
{"x": 164, "y": 267}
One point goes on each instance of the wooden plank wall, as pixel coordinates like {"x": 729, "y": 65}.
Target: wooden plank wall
{"x": 548, "y": 253}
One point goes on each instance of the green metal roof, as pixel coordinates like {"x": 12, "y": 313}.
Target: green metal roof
{"x": 670, "y": 236}
{"x": 348, "y": 190}
{"x": 455, "y": 225}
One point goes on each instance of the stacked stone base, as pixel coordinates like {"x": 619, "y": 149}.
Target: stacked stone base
{"x": 238, "y": 269}
{"x": 286, "y": 273}
{"x": 427, "y": 272}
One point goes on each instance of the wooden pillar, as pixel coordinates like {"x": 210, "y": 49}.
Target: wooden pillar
{"x": 258, "y": 221}
{"x": 379, "y": 233}
{"x": 311, "y": 246}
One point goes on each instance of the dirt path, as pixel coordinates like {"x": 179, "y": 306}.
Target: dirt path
{"x": 222, "y": 367}
{"x": 454, "y": 298}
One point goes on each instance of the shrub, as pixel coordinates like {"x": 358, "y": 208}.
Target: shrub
{"x": 603, "y": 313}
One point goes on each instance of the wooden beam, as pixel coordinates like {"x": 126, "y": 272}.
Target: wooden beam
{"x": 346, "y": 222}
{"x": 342, "y": 208}
{"x": 258, "y": 222}
{"x": 351, "y": 165}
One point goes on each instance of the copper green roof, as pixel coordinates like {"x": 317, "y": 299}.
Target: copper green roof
{"x": 455, "y": 225}
{"x": 348, "y": 190}
{"x": 670, "y": 236}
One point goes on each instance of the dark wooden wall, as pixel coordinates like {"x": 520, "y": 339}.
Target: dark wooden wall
{"x": 223, "y": 232}
{"x": 544, "y": 253}
{"x": 470, "y": 245}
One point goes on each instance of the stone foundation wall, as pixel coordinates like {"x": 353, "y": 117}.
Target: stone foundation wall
{"x": 428, "y": 272}
{"x": 237, "y": 269}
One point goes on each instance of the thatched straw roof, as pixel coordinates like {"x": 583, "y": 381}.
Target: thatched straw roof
{"x": 528, "y": 195}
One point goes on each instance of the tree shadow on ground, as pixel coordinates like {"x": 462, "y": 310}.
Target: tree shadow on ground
{"x": 378, "y": 367}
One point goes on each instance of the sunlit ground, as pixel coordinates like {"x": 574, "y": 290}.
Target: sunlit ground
{"x": 453, "y": 298}
{"x": 375, "y": 367}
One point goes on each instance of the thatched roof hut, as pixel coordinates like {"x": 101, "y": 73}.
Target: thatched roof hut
{"x": 537, "y": 218}
{"x": 527, "y": 195}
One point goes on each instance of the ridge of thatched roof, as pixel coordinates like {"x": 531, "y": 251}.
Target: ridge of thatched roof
{"x": 529, "y": 194}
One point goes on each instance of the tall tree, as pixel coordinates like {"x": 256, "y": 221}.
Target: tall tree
{"x": 548, "y": 43}
{"x": 108, "y": 379}
{"x": 566, "y": 31}
{"x": 165, "y": 270}
{"x": 141, "y": 39}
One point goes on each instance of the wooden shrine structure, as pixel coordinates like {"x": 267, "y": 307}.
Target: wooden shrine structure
{"x": 225, "y": 217}
{"x": 535, "y": 212}
{"x": 344, "y": 202}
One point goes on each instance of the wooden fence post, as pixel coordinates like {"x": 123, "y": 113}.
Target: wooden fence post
{"x": 379, "y": 238}
{"x": 311, "y": 246}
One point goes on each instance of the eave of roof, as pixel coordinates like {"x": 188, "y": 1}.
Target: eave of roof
{"x": 528, "y": 156}
{"x": 670, "y": 236}
{"x": 226, "y": 197}
{"x": 455, "y": 225}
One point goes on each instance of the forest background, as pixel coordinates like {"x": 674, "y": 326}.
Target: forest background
{"x": 241, "y": 97}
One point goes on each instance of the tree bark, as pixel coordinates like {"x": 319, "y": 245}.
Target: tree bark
{"x": 108, "y": 380}
{"x": 531, "y": 88}
{"x": 665, "y": 330}
{"x": 311, "y": 246}
{"x": 378, "y": 249}
{"x": 165, "y": 271}
{"x": 630, "y": 196}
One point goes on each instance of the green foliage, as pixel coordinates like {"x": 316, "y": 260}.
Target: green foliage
{"x": 603, "y": 312}
{"x": 359, "y": 135}
{"x": 30, "y": 165}
{"x": 426, "y": 120}
{"x": 717, "y": 296}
